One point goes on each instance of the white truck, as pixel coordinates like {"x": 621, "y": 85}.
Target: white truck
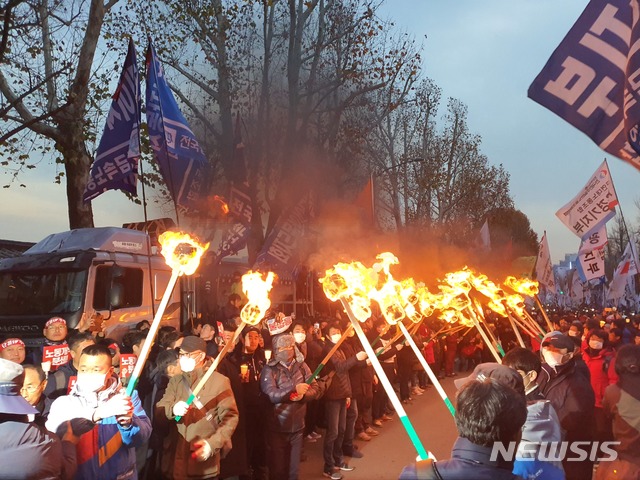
{"x": 74, "y": 274}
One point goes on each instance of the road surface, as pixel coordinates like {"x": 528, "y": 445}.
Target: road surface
{"x": 386, "y": 454}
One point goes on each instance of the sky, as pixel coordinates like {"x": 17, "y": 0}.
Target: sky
{"x": 485, "y": 54}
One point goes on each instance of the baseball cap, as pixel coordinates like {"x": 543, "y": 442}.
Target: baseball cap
{"x": 11, "y": 380}
{"x": 558, "y": 340}
{"x": 500, "y": 373}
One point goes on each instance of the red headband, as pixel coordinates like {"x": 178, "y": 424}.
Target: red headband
{"x": 53, "y": 320}
{"x": 10, "y": 342}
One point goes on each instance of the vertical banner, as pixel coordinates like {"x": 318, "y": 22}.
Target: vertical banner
{"x": 182, "y": 162}
{"x": 116, "y": 164}
{"x": 591, "y": 79}
{"x": 594, "y": 205}
{"x": 544, "y": 268}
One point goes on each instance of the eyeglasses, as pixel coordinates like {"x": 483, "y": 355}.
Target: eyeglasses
{"x": 30, "y": 388}
{"x": 182, "y": 353}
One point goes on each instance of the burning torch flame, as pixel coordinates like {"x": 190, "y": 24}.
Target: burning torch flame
{"x": 181, "y": 252}
{"x": 523, "y": 286}
{"x": 219, "y": 201}
{"x": 257, "y": 291}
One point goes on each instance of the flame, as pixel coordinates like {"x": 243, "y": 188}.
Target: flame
{"x": 523, "y": 286}
{"x": 490, "y": 290}
{"x": 181, "y": 251}
{"x": 257, "y": 291}
{"x": 221, "y": 204}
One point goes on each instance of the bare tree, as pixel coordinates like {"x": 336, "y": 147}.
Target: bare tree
{"x": 50, "y": 87}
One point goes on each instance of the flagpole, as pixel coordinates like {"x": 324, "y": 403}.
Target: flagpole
{"x": 146, "y": 220}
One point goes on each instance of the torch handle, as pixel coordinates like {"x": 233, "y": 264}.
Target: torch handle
{"x": 544, "y": 314}
{"x": 151, "y": 334}
{"x": 515, "y": 330}
{"x": 329, "y": 355}
{"x": 427, "y": 369}
{"x": 213, "y": 367}
{"x": 474, "y": 319}
{"x": 413, "y": 436}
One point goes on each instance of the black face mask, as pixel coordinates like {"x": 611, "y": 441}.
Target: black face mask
{"x": 285, "y": 356}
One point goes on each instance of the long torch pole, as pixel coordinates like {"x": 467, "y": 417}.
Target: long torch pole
{"x": 515, "y": 330}
{"x": 544, "y": 314}
{"x": 213, "y": 366}
{"x": 475, "y": 321}
{"x": 406, "y": 423}
{"x": 151, "y": 335}
{"x": 427, "y": 369}
{"x": 326, "y": 358}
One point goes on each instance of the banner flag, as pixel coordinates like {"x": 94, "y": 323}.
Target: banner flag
{"x": 182, "y": 162}
{"x": 281, "y": 250}
{"x": 544, "y": 269}
{"x": 240, "y": 205}
{"x": 485, "y": 237}
{"x": 116, "y": 164}
{"x": 591, "y": 264}
{"x": 627, "y": 267}
{"x": 594, "y": 205}
{"x": 590, "y": 80}
{"x": 597, "y": 239}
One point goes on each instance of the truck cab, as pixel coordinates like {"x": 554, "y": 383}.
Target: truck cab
{"x": 76, "y": 274}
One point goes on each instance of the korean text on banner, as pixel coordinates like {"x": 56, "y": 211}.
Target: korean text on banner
{"x": 590, "y": 80}
{"x": 594, "y": 205}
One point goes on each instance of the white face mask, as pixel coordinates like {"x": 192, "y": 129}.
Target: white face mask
{"x": 300, "y": 337}
{"x": 90, "y": 382}
{"x": 187, "y": 364}
{"x": 573, "y": 333}
{"x": 553, "y": 359}
{"x": 596, "y": 345}
{"x": 335, "y": 338}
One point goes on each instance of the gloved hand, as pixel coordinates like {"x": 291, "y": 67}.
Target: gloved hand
{"x": 118, "y": 405}
{"x": 180, "y": 409}
{"x": 361, "y": 356}
{"x": 200, "y": 449}
{"x": 302, "y": 388}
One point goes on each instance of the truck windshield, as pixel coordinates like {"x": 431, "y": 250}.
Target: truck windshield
{"x": 33, "y": 293}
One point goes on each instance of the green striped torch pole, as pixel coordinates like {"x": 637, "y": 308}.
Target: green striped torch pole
{"x": 427, "y": 369}
{"x": 406, "y": 423}
{"x": 324, "y": 361}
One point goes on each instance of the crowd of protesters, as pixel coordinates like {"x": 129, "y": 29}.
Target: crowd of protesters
{"x": 253, "y": 417}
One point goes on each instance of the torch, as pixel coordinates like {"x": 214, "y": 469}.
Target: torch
{"x": 329, "y": 355}
{"x": 351, "y": 284}
{"x": 182, "y": 262}
{"x": 524, "y": 286}
{"x": 257, "y": 291}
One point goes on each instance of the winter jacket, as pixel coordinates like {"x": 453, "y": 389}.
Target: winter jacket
{"x": 215, "y": 423}
{"x": 106, "y": 449}
{"x": 340, "y": 387}
{"x": 541, "y": 427}
{"x": 28, "y": 451}
{"x": 621, "y": 404}
{"x": 361, "y": 375}
{"x": 58, "y": 383}
{"x": 601, "y": 370}
{"x": 468, "y": 461}
{"x": 278, "y": 383}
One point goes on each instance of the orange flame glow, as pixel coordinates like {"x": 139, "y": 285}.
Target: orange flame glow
{"x": 257, "y": 291}
{"x": 219, "y": 201}
{"x": 181, "y": 251}
{"x": 523, "y": 286}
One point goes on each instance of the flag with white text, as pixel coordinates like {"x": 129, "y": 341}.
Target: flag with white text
{"x": 116, "y": 164}
{"x": 544, "y": 268}
{"x": 590, "y": 80}
{"x": 593, "y": 206}
{"x": 180, "y": 157}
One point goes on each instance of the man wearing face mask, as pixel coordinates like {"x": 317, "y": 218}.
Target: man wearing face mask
{"x": 110, "y": 424}
{"x": 205, "y": 427}
{"x": 569, "y": 390}
{"x": 600, "y": 361}
{"x": 283, "y": 381}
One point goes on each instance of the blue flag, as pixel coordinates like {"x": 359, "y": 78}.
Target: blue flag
{"x": 281, "y": 250}
{"x": 116, "y": 163}
{"x": 592, "y": 78}
{"x": 181, "y": 160}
